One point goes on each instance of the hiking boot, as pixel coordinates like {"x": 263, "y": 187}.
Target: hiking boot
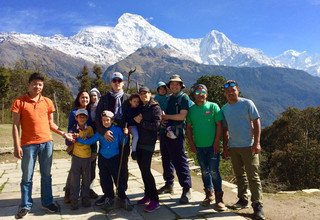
{"x": 258, "y": 213}
{"x": 93, "y": 194}
{"x": 220, "y": 206}
{"x": 143, "y": 201}
{"x": 241, "y": 204}
{"x": 52, "y": 208}
{"x": 153, "y": 205}
{"x": 167, "y": 188}
{"x": 185, "y": 196}
{"x": 21, "y": 213}
{"x": 126, "y": 204}
{"x": 74, "y": 205}
{"x": 85, "y": 202}
{"x": 209, "y": 197}
{"x": 108, "y": 204}
{"x": 100, "y": 201}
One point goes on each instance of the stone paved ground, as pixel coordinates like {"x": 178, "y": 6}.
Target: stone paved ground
{"x": 10, "y": 175}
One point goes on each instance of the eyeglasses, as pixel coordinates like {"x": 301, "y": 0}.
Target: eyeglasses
{"x": 228, "y": 84}
{"x": 117, "y": 80}
{"x": 202, "y": 92}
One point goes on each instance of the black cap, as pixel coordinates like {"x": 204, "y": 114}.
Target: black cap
{"x": 144, "y": 89}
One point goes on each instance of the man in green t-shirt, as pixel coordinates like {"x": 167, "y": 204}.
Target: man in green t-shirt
{"x": 203, "y": 132}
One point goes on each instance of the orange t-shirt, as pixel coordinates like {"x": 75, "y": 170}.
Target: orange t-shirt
{"x": 34, "y": 119}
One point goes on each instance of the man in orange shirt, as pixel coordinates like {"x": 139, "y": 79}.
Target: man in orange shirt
{"x": 33, "y": 113}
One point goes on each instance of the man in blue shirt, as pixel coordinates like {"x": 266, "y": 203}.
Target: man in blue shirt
{"x": 241, "y": 140}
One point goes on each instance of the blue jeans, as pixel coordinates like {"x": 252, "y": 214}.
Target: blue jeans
{"x": 209, "y": 164}
{"x": 28, "y": 162}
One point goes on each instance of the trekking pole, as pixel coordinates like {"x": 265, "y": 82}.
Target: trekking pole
{"x": 121, "y": 158}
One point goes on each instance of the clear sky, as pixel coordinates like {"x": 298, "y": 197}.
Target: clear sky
{"x": 270, "y": 25}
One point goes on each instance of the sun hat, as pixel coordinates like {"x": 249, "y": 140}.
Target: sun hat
{"x": 176, "y": 78}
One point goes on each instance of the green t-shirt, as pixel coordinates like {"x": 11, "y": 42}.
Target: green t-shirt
{"x": 203, "y": 120}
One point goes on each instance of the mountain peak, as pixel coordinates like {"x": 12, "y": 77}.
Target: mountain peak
{"x": 131, "y": 18}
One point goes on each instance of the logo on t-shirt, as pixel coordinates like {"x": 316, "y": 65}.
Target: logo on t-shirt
{"x": 207, "y": 112}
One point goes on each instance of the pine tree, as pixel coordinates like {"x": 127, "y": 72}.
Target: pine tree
{"x": 84, "y": 79}
{"x": 98, "y": 82}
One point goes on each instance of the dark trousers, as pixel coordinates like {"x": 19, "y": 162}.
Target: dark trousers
{"x": 80, "y": 169}
{"x": 108, "y": 172}
{"x": 144, "y": 161}
{"x": 174, "y": 157}
{"x": 93, "y": 170}
{"x": 124, "y": 173}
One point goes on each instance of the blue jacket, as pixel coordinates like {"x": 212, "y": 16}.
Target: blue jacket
{"x": 107, "y": 149}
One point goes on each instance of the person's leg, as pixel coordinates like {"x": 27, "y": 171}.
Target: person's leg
{"x": 124, "y": 173}
{"x": 105, "y": 177}
{"x": 251, "y": 163}
{"x": 241, "y": 177}
{"x": 168, "y": 169}
{"x": 27, "y": 166}
{"x": 135, "y": 137}
{"x": 45, "y": 163}
{"x": 144, "y": 162}
{"x": 75, "y": 178}
{"x": 86, "y": 176}
{"x": 179, "y": 159}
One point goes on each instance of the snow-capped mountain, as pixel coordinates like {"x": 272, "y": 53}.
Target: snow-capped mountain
{"x": 301, "y": 60}
{"x": 107, "y": 45}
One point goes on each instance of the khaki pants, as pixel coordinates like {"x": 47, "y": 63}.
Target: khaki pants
{"x": 246, "y": 169}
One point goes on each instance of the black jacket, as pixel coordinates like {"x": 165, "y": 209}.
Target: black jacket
{"x": 107, "y": 102}
{"x": 150, "y": 123}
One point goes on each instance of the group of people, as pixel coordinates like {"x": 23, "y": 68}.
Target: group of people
{"x": 109, "y": 119}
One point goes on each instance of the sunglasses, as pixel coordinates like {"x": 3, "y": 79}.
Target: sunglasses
{"x": 202, "y": 92}
{"x": 228, "y": 84}
{"x": 117, "y": 80}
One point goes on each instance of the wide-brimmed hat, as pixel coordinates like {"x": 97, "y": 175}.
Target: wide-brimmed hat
{"x": 176, "y": 78}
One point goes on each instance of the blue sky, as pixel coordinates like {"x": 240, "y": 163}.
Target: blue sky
{"x": 270, "y": 25}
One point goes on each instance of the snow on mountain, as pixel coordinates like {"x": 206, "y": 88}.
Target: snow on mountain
{"x": 301, "y": 60}
{"x": 108, "y": 45}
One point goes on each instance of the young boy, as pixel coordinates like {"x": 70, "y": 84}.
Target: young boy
{"x": 108, "y": 162}
{"x": 80, "y": 163}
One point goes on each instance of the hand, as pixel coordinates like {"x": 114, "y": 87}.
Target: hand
{"x": 18, "y": 152}
{"x": 69, "y": 137}
{"x": 216, "y": 148}
{"x": 193, "y": 148}
{"x": 125, "y": 131}
{"x": 256, "y": 148}
{"x": 134, "y": 155}
{"x": 70, "y": 149}
{"x": 109, "y": 136}
{"x": 225, "y": 153}
{"x": 164, "y": 117}
{"x": 138, "y": 118}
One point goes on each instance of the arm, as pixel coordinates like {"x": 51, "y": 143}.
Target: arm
{"x": 256, "y": 148}
{"x": 55, "y": 128}
{"x": 225, "y": 139}
{"x": 18, "y": 153}
{"x": 190, "y": 138}
{"x": 177, "y": 117}
{"x": 217, "y": 137}
{"x": 153, "y": 125}
{"x": 93, "y": 139}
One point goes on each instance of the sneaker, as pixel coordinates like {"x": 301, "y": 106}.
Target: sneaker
{"x": 167, "y": 188}
{"x": 100, "y": 201}
{"x": 108, "y": 204}
{"x": 74, "y": 205}
{"x": 52, "y": 208}
{"x": 93, "y": 194}
{"x": 126, "y": 204}
{"x": 185, "y": 197}
{"x": 258, "y": 213}
{"x": 153, "y": 205}
{"x": 143, "y": 201}
{"x": 241, "y": 204}
{"x": 21, "y": 213}
{"x": 85, "y": 202}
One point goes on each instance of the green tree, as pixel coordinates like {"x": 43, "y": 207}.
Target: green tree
{"x": 84, "y": 79}
{"x": 98, "y": 82}
{"x": 215, "y": 88}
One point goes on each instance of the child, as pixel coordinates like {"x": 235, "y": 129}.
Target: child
{"x": 162, "y": 96}
{"x": 133, "y": 111}
{"x": 108, "y": 161}
{"x": 80, "y": 163}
